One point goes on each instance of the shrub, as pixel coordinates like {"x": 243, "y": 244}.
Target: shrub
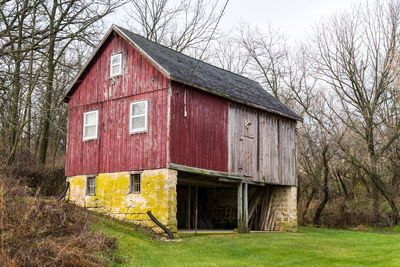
{"x": 44, "y": 232}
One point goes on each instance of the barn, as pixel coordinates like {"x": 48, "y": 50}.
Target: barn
{"x": 151, "y": 129}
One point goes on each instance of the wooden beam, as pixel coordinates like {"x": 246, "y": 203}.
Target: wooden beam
{"x": 205, "y": 172}
{"x": 204, "y": 183}
{"x": 235, "y": 99}
{"x": 197, "y": 208}
{"x": 188, "y": 210}
{"x": 245, "y": 209}
{"x": 228, "y": 180}
{"x": 240, "y": 207}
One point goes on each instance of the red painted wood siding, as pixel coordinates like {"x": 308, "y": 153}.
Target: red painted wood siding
{"x": 201, "y": 139}
{"x": 116, "y": 149}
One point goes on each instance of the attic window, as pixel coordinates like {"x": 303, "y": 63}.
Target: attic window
{"x": 138, "y": 117}
{"x": 90, "y": 121}
{"x": 135, "y": 183}
{"x": 115, "y": 66}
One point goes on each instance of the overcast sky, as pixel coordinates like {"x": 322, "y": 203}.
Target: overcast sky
{"x": 292, "y": 17}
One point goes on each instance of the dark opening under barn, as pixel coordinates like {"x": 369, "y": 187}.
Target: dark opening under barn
{"x": 212, "y": 203}
{"x": 215, "y": 205}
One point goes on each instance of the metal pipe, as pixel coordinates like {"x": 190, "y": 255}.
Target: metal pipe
{"x": 170, "y": 235}
{"x": 65, "y": 191}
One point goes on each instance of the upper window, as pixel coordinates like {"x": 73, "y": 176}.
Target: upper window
{"x": 90, "y": 121}
{"x": 115, "y": 66}
{"x": 138, "y": 117}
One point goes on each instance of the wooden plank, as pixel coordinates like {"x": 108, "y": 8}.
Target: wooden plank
{"x": 270, "y": 158}
{"x": 205, "y": 183}
{"x": 118, "y": 150}
{"x": 204, "y": 172}
{"x": 188, "y": 204}
{"x": 245, "y": 209}
{"x": 196, "y": 204}
{"x": 200, "y": 139}
{"x": 240, "y": 207}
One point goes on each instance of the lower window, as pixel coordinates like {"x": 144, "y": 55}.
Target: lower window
{"x": 91, "y": 186}
{"x": 135, "y": 183}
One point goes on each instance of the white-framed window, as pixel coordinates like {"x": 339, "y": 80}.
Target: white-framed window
{"x": 135, "y": 180}
{"x": 138, "y": 116}
{"x": 116, "y": 65}
{"x": 91, "y": 186}
{"x": 90, "y": 125}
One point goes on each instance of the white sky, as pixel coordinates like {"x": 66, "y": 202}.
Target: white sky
{"x": 292, "y": 17}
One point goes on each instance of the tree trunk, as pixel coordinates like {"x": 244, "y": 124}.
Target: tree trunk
{"x": 310, "y": 198}
{"x": 46, "y": 111}
{"x": 326, "y": 188}
{"x": 16, "y": 93}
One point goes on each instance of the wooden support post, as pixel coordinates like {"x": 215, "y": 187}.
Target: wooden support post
{"x": 188, "y": 206}
{"x": 197, "y": 208}
{"x": 245, "y": 209}
{"x": 240, "y": 207}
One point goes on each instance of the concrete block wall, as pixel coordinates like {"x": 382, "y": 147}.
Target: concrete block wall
{"x": 158, "y": 194}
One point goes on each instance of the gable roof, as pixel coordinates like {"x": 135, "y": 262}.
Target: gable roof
{"x": 187, "y": 70}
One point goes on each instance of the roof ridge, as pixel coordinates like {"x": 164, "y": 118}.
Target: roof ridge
{"x": 179, "y": 67}
{"x": 201, "y": 61}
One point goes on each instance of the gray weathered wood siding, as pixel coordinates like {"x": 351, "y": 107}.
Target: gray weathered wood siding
{"x": 261, "y": 145}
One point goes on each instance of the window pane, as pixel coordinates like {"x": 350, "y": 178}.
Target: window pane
{"x": 137, "y": 188}
{"x": 91, "y": 118}
{"x": 115, "y": 60}
{"x": 139, "y": 109}
{"x": 138, "y": 123}
{"x": 115, "y": 69}
{"x": 89, "y": 131}
{"x": 91, "y": 186}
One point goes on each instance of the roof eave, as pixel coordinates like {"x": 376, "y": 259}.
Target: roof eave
{"x": 67, "y": 96}
{"x": 215, "y": 92}
{"x": 115, "y": 28}
{"x": 166, "y": 74}
{"x": 143, "y": 53}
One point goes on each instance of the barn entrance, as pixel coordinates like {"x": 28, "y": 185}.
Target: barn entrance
{"x": 209, "y": 200}
{"x": 214, "y": 203}
{"x": 204, "y": 203}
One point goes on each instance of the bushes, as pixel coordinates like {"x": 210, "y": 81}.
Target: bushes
{"x": 50, "y": 180}
{"x": 43, "y": 232}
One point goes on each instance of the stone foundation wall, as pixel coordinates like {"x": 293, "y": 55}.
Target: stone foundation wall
{"x": 158, "y": 194}
{"x": 285, "y": 206}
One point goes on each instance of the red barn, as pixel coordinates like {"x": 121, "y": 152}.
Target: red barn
{"x": 151, "y": 129}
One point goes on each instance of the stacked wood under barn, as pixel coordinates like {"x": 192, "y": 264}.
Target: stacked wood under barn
{"x": 262, "y": 215}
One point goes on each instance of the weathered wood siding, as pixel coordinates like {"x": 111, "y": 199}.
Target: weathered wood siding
{"x": 201, "y": 139}
{"x": 262, "y": 145}
{"x": 115, "y": 149}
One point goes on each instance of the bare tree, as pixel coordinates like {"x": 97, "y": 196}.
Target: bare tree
{"x": 354, "y": 63}
{"x": 269, "y": 55}
{"x": 35, "y": 36}
{"x": 228, "y": 53}
{"x": 181, "y": 25}
{"x": 68, "y": 22}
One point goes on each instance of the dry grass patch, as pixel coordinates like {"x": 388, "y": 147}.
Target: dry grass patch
{"x": 44, "y": 232}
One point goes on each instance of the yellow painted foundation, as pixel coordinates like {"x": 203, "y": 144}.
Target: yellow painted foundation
{"x": 158, "y": 195}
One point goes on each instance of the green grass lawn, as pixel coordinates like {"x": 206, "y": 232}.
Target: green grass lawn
{"x": 308, "y": 247}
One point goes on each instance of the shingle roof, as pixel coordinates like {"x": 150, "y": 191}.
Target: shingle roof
{"x": 198, "y": 73}
{"x": 188, "y": 70}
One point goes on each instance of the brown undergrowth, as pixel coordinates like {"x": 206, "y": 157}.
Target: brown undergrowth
{"x": 36, "y": 231}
